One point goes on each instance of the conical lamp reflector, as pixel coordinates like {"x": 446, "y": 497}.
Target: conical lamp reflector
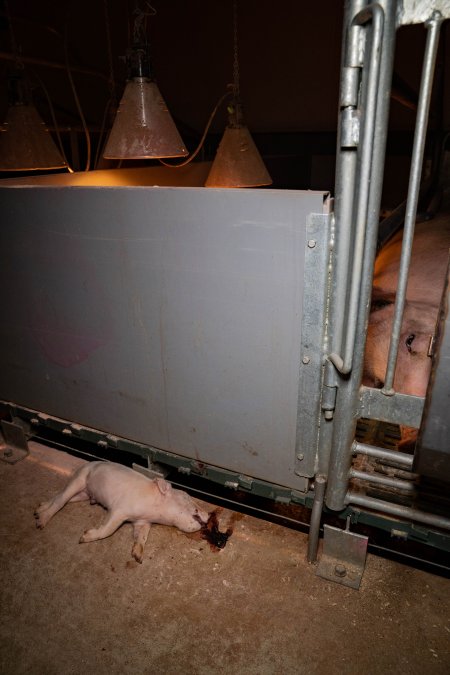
{"x": 25, "y": 143}
{"x": 143, "y": 128}
{"x": 238, "y": 162}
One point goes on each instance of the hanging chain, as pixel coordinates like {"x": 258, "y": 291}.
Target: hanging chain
{"x": 140, "y": 21}
{"x": 236, "y": 91}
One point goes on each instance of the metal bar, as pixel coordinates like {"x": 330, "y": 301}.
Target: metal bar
{"x": 345, "y": 415}
{"x": 316, "y": 513}
{"x": 386, "y": 481}
{"x": 345, "y": 178}
{"x": 406, "y": 512}
{"x": 426, "y": 84}
{"x": 376, "y": 13}
{"x": 401, "y": 458}
{"x": 398, "y": 408}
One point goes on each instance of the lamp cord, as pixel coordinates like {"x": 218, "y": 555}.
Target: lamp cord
{"x": 111, "y": 85}
{"x": 55, "y": 124}
{"x": 199, "y": 146}
{"x": 12, "y": 37}
{"x": 111, "y": 81}
{"x": 236, "y": 88}
{"x": 74, "y": 91}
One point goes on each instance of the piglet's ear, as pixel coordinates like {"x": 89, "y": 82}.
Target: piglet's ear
{"x": 163, "y": 485}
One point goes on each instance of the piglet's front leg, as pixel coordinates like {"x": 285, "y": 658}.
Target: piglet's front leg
{"x": 111, "y": 524}
{"x": 140, "y": 535}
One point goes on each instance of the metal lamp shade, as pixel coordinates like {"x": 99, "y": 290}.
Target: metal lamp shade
{"x": 143, "y": 128}
{"x": 238, "y": 162}
{"x": 25, "y": 143}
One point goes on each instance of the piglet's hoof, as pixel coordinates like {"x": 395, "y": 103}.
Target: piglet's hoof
{"x": 39, "y": 523}
{"x": 138, "y": 553}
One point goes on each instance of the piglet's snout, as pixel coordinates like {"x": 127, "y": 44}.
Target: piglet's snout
{"x": 189, "y": 516}
{"x": 201, "y": 517}
{"x": 198, "y": 519}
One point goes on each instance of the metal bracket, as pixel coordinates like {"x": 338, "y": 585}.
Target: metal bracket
{"x": 397, "y": 409}
{"x": 411, "y": 11}
{"x": 15, "y": 446}
{"x": 152, "y": 471}
{"x": 317, "y": 260}
{"x": 343, "y": 556}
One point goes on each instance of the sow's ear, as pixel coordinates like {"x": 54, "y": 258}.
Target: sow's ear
{"x": 163, "y": 486}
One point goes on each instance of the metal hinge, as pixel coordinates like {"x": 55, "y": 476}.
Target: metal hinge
{"x": 328, "y": 401}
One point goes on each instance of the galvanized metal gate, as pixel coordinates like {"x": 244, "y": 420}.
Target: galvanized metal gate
{"x": 366, "y": 72}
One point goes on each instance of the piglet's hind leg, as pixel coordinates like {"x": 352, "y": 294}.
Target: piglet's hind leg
{"x": 113, "y": 521}
{"x": 140, "y": 535}
{"x": 81, "y": 497}
{"x": 75, "y": 487}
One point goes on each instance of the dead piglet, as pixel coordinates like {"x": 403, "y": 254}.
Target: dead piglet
{"x": 127, "y": 496}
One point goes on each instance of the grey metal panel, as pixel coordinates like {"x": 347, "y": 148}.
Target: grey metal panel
{"x": 170, "y": 316}
{"x": 432, "y": 456}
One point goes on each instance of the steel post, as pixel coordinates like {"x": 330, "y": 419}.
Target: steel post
{"x": 316, "y": 513}
{"x": 347, "y": 398}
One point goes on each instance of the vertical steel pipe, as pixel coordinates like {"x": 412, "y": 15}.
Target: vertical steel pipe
{"x": 376, "y": 14}
{"x": 347, "y": 399}
{"x": 341, "y": 234}
{"x": 426, "y": 85}
{"x": 345, "y": 177}
{"x": 316, "y": 514}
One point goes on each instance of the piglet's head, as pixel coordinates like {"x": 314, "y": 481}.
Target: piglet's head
{"x": 180, "y": 509}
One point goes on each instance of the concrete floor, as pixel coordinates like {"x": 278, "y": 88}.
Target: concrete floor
{"x": 254, "y": 608}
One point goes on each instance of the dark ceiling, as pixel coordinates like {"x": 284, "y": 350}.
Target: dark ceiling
{"x": 289, "y": 57}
